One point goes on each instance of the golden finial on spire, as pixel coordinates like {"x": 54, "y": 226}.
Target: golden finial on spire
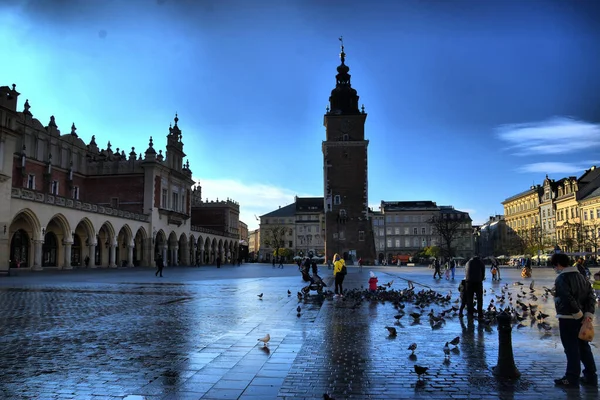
{"x": 342, "y": 54}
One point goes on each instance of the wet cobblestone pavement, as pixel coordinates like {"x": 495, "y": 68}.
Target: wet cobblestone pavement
{"x": 125, "y": 334}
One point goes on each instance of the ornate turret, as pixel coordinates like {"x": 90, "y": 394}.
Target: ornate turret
{"x": 150, "y": 152}
{"x": 175, "y": 154}
{"x": 343, "y": 99}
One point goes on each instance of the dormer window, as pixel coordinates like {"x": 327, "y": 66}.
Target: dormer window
{"x": 345, "y": 137}
{"x": 337, "y": 200}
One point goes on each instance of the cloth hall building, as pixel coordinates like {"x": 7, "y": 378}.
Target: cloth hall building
{"x": 67, "y": 204}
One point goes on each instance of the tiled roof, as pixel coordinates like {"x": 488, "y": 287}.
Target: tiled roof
{"x": 408, "y": 205}
{"x": 309, "y": 204}
{"x": 522, "y": 194}
{"x": 286, "y": 211}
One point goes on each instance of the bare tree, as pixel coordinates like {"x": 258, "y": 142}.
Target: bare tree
{"x": 449, "y": 230}
{"x": 274, "y": 237}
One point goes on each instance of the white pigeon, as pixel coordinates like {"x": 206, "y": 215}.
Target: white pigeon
{"x": 265, "y": 339}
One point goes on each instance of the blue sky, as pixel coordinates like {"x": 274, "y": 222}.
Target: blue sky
{"x": 469, "y": 102}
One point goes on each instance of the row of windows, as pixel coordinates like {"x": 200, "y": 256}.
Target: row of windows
{"x": 530, "y": 205}
{"x": 54, "y": 187}
{"x": 404, "y": 231}
{"x": 177, "y": 201}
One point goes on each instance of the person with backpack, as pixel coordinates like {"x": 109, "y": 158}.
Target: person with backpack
{"x": 339, "y": 273}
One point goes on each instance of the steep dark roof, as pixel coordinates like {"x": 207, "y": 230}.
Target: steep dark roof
{"x": 589, "y": 175}
{"x": 536, "y": 189}
{"x": 286, "y": 211}
{"x": 309, "y": 204}
{"x": 408, "y": 205}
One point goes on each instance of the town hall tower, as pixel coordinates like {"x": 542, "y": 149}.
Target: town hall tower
{"x": 348, "y": 230}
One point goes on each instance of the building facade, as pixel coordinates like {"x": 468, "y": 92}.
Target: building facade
{"x": 348, "y": 230}
{"x": 298, "y": 227}
{"x": 522, "y": 216}
{"x": 253, "y": 244}
{"x": 548, "y": 212}
{"x": 492, "y": 237}
{"x": 70, "y": 204}
{"x": 403, "y": 229}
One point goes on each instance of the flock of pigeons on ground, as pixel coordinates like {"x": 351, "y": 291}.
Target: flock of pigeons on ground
{"x": 520, "y": 304}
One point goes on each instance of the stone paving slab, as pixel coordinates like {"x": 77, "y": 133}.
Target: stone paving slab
{"x": 125, "y": 334}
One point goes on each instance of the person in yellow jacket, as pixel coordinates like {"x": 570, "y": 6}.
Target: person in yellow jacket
{"x": 339, "y": 273}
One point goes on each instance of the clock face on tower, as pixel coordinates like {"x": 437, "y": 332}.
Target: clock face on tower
{"x": 346, "y": 126}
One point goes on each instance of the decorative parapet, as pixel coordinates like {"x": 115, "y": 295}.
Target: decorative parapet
{"x": 200, "y": 229}
{"x": 25, "y": 194}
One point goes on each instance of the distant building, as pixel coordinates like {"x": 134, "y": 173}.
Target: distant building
{"x": 253, "y": 245}
{"x": 492, "y": 237}
{"x": 303, "y": 222}
{"x": 403, "y": 229}
{"x": 70, "y": 204}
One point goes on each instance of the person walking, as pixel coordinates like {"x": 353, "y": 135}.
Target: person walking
{"x": 159, "y": 265}
{"x": 438, "y": 269}
{"x": 360, "y": 264}
{"x": 452, "y": 268}
{"x": 474, "y": 277}
{"x": 281, "y": 262}
{"x": 218, "y": 261}
{"x": 339, "y": 273}
{"x": 575, "y": 303}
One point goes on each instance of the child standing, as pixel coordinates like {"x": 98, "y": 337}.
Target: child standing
{"x": 372, "y": 282}
{"x": 461, "y": 290}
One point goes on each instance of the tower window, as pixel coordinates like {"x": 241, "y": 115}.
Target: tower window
{"x": 337, "y": 200}
{"x": 114, "y": 202}
{"x": 54, "y": 188}
{"x": 345, "y": 138}
{"x": 361, "y": 237}
{"x": 76, "y": 192}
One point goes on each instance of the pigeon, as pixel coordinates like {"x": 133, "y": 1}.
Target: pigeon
{"x": 415, "y": 315}
{"x": 398, "y": 316}
{"x": 260, "y": 296}
{"x": 531, "y": 286}
{"x": 327, "y": 397}
{"x": 289, "y": 293}
{"x": 412, "y": 348}
{"x": 392, "y": 330}
{"x": 420, "y": 370}
{"x": 455, "y": 341}
{"x": 446, "y": 350}
{"x": 265, "y": 339}
{"x": 298, "y": 309}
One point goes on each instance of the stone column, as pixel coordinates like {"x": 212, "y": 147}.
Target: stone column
{"x": 68, "y": 256}
{"x": 164, "y": 254}
{"x": 201, "y": 257}
{"x": 111, "y": 256}
{"x": 130, "y": 256}
{"x": 175, "y": 256}
{"x": 92, "y": 255}
{"x": 185, "y": 260}
{"x": 37, "y": 255}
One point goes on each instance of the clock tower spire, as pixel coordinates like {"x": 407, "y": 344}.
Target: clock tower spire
{"x": 348, "y": 229}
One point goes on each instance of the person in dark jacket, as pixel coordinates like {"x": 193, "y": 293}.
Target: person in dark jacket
{"x": 474, "y": 276}
{"x": 159, "y": 265}
{"x": 574, "y": 302}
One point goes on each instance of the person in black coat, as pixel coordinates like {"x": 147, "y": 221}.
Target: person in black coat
{"x": 575, "y": 304}
{"x": 474, "y": 277}
{"x": 159, "y": 265}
